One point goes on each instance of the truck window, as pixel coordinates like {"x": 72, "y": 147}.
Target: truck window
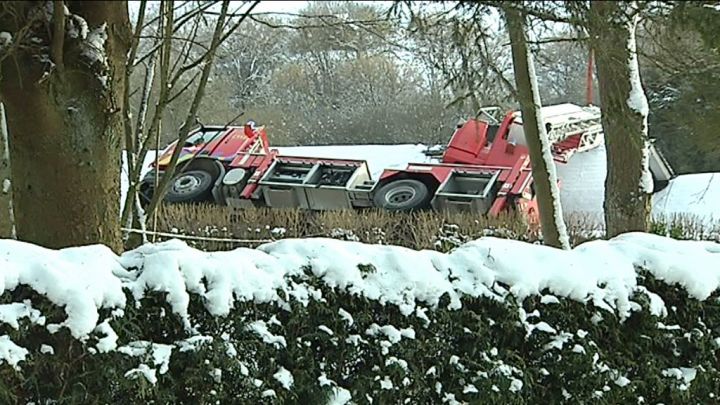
{"x": 202, "y": 137}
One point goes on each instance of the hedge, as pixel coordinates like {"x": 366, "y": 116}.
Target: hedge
{"x": 319, "y": 342}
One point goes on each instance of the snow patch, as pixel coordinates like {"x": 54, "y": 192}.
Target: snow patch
{"x": 345, "y": 315}
{"x": 5, "y": 39}
{"x": 260, "y": 328}
{"x": 340, "y": 396}
{"x": 109, "y": 342}
{"x": 93, "y": 49}
{"x": 638, "y": 102}
{"x": 285, "y": 378}
{"x": 82, "y": 280}
{"x": 11, "y": 353}
{"x": 685, "y": 374}
{"x": 144, "y": 371}
{"x": 637, "y": 99}
{"x": 13, "y": 312}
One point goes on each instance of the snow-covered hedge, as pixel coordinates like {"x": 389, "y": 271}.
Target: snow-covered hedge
{"x": 634, "y": 319}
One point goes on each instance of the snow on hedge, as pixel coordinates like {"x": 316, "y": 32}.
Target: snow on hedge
{"x": 83, "y": 280}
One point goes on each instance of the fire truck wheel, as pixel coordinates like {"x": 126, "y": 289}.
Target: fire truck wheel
{"x": 193, "y": 185}
{"x": 402, "y": 195}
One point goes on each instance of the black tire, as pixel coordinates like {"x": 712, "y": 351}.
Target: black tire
{"x": 192, "y": 185}
{"x": 402, "y": 195}
{"x": 146, "y": 188}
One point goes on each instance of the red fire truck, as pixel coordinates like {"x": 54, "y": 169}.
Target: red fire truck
{"x": 485, "y": 168}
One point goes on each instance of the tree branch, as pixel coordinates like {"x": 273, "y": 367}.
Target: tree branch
{"x": 58, "y": 38}
{"x": 218, "y": 38}
{"x": 323, "y": 25}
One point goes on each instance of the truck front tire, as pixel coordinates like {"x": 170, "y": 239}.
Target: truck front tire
{"x": 193, "y": 185}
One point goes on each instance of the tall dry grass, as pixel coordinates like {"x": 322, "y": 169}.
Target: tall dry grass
{"x": 418, "y": 230}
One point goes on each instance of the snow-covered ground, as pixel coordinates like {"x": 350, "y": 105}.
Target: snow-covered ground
{"x": 697, "y": 194}
{"x": 582, "y": 179}
{"x": 83, "y": 280}
{"x": 583, "y": 185}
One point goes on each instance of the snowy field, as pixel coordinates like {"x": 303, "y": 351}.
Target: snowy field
{"x": 582, "y": 179}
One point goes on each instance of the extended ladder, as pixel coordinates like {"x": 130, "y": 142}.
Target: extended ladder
{"x": 573, "y": 125}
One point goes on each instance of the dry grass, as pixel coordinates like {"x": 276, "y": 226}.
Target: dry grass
{"x": 421, "y": 230}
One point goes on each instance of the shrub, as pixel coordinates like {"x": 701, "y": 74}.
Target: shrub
{"x": 318, "y": 341}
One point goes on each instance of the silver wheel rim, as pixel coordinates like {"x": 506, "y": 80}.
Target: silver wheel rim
{"x": 400, "y": 196}
{"x": 187, "y": 183}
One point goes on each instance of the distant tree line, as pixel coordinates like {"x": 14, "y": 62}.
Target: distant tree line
{"x": 344, "y": 72}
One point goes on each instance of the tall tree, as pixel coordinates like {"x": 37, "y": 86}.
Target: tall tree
{"x": 543, "y": 166}
{"x": 7, "y": 222}
{"x": 62, "y": 84}
{"x": 629, "y": 184}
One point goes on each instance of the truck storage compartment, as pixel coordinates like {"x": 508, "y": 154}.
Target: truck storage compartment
{"x": 282, "y": 184}
{"x": 329, "y": 185}
{"x": 316, "y": 185}
{"x": 288, "y": 173}
{"x": 467, "y": 191}
{"x": 331, "y": 175}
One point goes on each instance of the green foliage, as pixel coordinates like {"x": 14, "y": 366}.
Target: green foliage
{"x": 489, "y": 351}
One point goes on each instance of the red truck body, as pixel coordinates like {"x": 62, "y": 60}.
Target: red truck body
{"x": 485, "y": 168}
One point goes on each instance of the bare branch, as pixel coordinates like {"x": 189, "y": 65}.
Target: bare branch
{"x": 58, "y": 33}
{"x": 217, "y": 39}
{"x": 184, "y": 88}
{"x": 323, "y": 25}
{"x": 166, "y": 26}
{"x": 182, "y": 20}
{"x": 553, "y": 40}
{"x": 135, "y": 41}
{"x": 192, "y": 41}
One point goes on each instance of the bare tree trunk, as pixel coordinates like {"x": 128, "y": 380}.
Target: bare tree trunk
{"x": 543, "y": 166}
{"x": 65, "y": 120}
{"x": 628, "y": 185}
{"x": 7, "y": 220}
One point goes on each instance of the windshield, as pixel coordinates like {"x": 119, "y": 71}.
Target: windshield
{"x": 202, "y": 137}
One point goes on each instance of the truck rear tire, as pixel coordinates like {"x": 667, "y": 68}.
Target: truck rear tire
{"x": 402, "y": 195}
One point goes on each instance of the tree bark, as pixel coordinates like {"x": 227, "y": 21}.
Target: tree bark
{"x": 7, "y": 221}
{"x": 628, "y": 185}
{"x": 543, "y": 167}
{"x": 66, "y": 124}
